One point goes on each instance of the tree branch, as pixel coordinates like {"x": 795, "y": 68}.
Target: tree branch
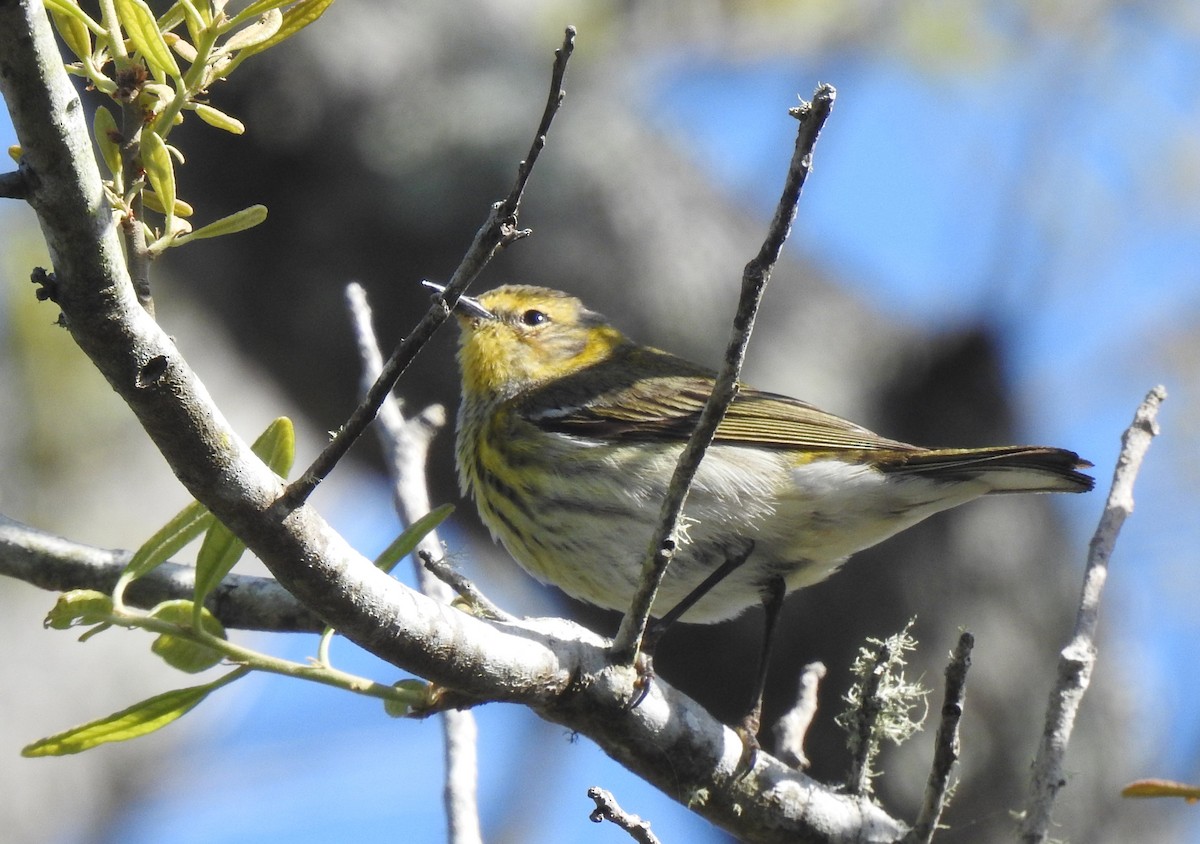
{"x": 754, "y": 281}
{"x": 12, "y": 185}
{"x": 405, "y": 443}
{"x": 239, "y": 601}
{"x": 607, "y": 809}
{"x": 945, "y": 752}
{"x": 559, "y": 669}
{"x": 1078, "y": 658}
{"x": 497, "y": 231}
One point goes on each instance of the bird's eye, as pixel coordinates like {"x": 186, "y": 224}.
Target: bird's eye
{"x": 534, "y": 317}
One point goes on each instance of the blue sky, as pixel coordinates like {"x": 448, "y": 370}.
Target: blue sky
{"x": 912, "y": 200}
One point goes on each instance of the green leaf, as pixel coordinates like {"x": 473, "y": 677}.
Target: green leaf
{"x": 276, "y": 446}
{"x": 156, "y": 160}
{"x": 182, "y": 209}
{"x": 247, "y": 218}
{"x": 137, "y": 720}
{"x": 256, "y": 33}
{"x": 404, "y": 544}
{"x": 221, "y": 550}
{"x": 196, "y": 23}
{"x": 104, "y": 129}
{"x": 184, "y": 654}
{"x": 190, "y": 522}
{"x": 70, "y": 9}
{"x": 294, "y": 20}
{"x": 139, "y": 22}
{"x": 257, "y": 8}
{"x": 221, "y": 120}
{"x": 73, "y": 31}
{"x": 79, "y": 606}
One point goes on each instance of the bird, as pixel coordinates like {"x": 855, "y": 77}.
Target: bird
{"x": 568, "y": 433}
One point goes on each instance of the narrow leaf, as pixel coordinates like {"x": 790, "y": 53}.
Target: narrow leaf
{"x": 156, "y": 161}
{"x": 247, "y": 218}
{"x": 219, "y": 119}
{"x": 189, "y": 523}
{"x": 185, "y": 654}
{"x": 181, "y": 46}
{"x": 73, "y": 31}
{"x": 404, "y": 544}
{"x": 182, "y": 209}
{"x": 196, "y": 24}
{"x": 104, "y": 128}
{"x": 258, "y": 7}
{"x": 66, "y": 7}
{"x": 256, "y": 33}
{"x": 139, "y": 22}
{"x": 221, "y": 550}
{"x": 294, "y": 20}
{"x": 137, "y": 720}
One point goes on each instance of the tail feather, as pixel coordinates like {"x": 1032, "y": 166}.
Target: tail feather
{"x": 1007, "y": 468}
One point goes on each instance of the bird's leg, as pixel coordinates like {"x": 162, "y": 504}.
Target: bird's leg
{"x": 658, "y": 626}
{"x": 772, "y": 605}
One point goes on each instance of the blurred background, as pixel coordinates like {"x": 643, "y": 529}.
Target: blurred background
{"x": 1000, "y": 242}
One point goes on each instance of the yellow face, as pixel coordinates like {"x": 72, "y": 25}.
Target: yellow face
{"x": 529, "y": 335}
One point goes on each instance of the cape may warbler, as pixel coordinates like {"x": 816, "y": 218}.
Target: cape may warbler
{"x": 569, "y": 432}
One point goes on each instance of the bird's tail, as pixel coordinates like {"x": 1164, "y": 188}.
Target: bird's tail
{"x": 1016, "y": 468}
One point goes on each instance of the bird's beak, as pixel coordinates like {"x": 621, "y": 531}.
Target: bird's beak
{"x": 467, "y": 306}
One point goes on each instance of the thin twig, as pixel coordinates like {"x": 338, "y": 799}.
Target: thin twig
{"x": 608, "y": 810}
{"x": 945, "y": 752}
{"x": 754, "y": 280}
{"x": 481, "y": 605}
{"x": 1078, "y": 658}
{"x": 405, "y": 443}
{"x": 497, "y": 231}
{"x": 865, "y": 738}
{"x": 791, "y": 729}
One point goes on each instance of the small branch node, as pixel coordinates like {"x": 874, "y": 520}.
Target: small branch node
{"x": 608, "y": 810}
{"x": 792, "y": 728}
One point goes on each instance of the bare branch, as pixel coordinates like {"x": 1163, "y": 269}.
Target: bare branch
{"x": 239, "y": 601}
{"x": 865, "y": 738}
{"x": 497, "y": 231}
{"x": 608, "y": 810}
{"x": 405, "y": 443}
{"x": 791, "y": 729}
{"x": 945, "y": 752}
{"x": 1078, "y": 658}
{"x": 754, "y": 281}
{"x": 481, "y": 605}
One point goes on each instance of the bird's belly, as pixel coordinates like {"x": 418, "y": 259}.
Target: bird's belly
{"x": 585, "y": 521}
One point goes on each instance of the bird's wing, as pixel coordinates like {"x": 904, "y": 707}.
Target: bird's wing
{"x": 664, "y": 408}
